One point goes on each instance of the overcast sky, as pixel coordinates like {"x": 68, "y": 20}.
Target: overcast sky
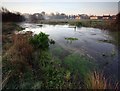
{"x": 62, "y": 6}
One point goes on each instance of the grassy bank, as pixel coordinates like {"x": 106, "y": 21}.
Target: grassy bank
{"x": 8, "y": 30}
{"x": 102, "y": 24}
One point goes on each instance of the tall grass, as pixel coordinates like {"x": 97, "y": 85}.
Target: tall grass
{"x": 20, "y": 53}
{"x": 17, "y": 59}
{"x": 98, "y": 81}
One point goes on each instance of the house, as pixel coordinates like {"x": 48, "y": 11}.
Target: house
{"x": 100, "y": 17}
{"x": 113, "y": 17}
{"x": 106, "y": 17}
{"x": 84, "y": 16}
{"x": 77, "y": 17}
{"x": 93, "y": 17}
{"x": 71, "y": 17}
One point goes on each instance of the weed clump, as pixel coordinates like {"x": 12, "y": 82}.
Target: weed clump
{"x": 97, "y": 80}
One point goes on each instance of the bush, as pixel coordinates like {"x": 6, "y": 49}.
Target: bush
{"x": 40, "y": 41}
{"x": 79, "y": 24}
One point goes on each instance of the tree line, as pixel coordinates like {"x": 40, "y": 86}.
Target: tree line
{"x": 8, "y": 16}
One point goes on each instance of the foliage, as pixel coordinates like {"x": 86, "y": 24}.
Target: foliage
{"x": 18, "y": 57}
{"x": 54, "y": 75}
{"x": 8, "y": 16}
{"x": 53, "y": 22}
{"x": 79, "y": 24}
{"x": 58, "y": 51}
{"x": 52, "y": 41}
{"x": 111, "y": 25}
{"x": 40, "y": 41}
{"x": 10, "y": 27}
{"x": 71, "y": 38}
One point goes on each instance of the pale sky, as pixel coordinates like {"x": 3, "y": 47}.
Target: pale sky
{"x": 59, "y": 0}
{"x": 65, "y": 6}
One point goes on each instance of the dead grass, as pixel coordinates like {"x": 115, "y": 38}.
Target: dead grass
{"x": 20, "y": 54}
{"x": 98, "y": 81}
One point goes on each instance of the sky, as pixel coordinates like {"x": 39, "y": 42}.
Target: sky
{"x": 59, "y": 0}
{"x": 66, "y": 6}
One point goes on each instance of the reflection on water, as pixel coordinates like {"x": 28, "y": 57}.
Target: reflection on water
{"x": 88, "y": 43}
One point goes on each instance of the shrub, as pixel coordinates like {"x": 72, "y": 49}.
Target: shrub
{"x": 40, "y": 41}
{"x": 79, "y": 24}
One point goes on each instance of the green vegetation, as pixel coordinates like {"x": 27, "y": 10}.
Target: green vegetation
{"x": 8, "y": 30}
{"x": 113, "y": 53}
{"x": 52, "y": 41}
{"x": 70, "y": 38}
{"x": 40, "y": 41}
{"x": 102, "y": 24}
{"x": 79, "y": 64}
{"x": 53, "y": 22}
{"x": 106, "y": 41}
{"x": 57, "y": 51}
{"x": 10, "y": 27}
{"x": 116, "y": 37}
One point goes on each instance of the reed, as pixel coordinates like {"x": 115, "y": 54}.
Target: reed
{"x": 98, "y": 81}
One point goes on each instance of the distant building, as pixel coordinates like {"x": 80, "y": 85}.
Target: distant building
{"x": 77, "y": 17}
{"x": 113, "y": 17}
{"x": 38, "y": 16}
{"x": 100, "y": 17}
{"x": 71, "y": 17}
{"x": 106, "y": 17}
{"x": 93, "y": 17}
{"x": 84, "y": 16}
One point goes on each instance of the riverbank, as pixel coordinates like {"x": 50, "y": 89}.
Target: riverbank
{"x": 8, "y": 30}
{"x": 102, "y": 24}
